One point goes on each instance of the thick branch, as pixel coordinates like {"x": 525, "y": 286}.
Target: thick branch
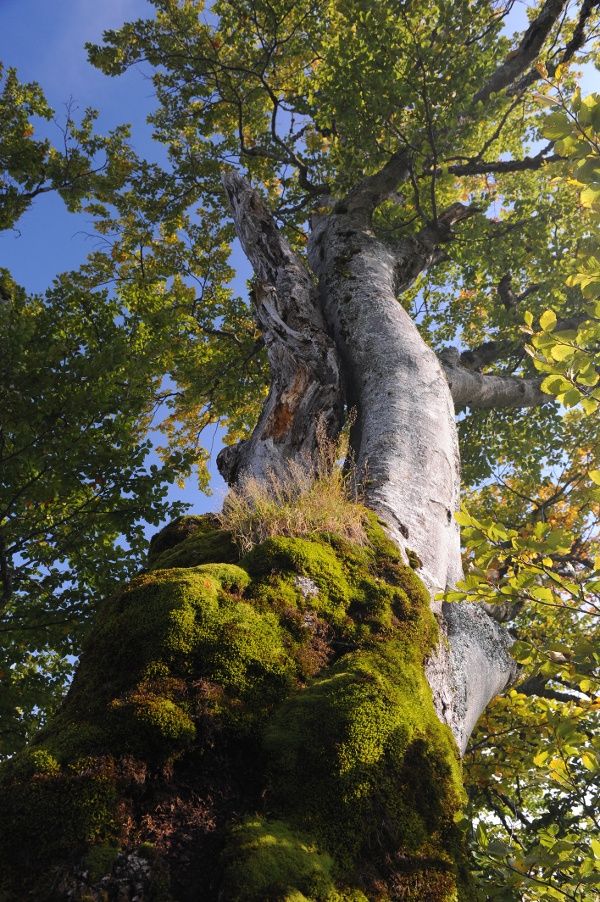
{"x": 526, "y": 53}
{"x": 364, "y": 197}
{"x": 576, "y": 43}
{"x": 486, "y": 353}
{"x": 415, "y": 254}
{"x": 440, "y": 230}
{"x": 498, "y": 167}
{"x": 305, "y": 376}
{"x": 486, "y": 390}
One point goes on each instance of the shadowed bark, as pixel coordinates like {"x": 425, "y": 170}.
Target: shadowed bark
{"x": 305, "y": 386}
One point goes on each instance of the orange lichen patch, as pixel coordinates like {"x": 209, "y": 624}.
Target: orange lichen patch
{"x": 280, "y": 420}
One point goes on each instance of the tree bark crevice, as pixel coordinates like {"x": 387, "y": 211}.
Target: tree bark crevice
{"x": 305, "y": 392}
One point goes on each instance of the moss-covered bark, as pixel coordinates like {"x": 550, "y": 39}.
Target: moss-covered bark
{"x": 255, "y": 729}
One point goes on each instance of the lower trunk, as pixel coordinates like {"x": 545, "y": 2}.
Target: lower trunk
{"x": 406, "y": 451}
{"x": 258, "y": 730}
{"x": 404, "y": 439}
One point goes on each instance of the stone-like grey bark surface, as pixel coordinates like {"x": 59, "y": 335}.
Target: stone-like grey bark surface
{"x": 471, "y": 666}
{"x": 338, "y": 333}
{"x": 405, "y": 438}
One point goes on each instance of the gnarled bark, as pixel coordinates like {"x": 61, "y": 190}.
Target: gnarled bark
{"x": 305, "y": 386}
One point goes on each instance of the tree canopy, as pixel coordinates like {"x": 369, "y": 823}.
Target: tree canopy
{"x": 309, "y": 100}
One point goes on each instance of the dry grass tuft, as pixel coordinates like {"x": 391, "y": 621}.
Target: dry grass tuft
{"x": 310, "y": 497}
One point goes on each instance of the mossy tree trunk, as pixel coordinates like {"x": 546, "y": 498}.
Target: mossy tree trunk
{"x": 285, "y": 726}
{"x": 245, "y": 730}
{"x": 405, "y": 443}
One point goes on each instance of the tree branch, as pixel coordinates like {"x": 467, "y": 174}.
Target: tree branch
{"x": 498, "y": 167}
{"x": 484, "y": 391}
{"x": 418, "y": 252}
{"x": 440, "y": 230}
{"x": 526, "y": 53}
{"x": 577, "y": 41}
{"x": 372, "y": 190}
{"x": 5, "y": 575}
{"x": 490, "y": 351}
{"x": 538, "y": 685}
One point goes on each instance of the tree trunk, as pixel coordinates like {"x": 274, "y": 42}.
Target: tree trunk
{"x": 285, "y": 724}
{"x": 404, "y": 440}
{"x": 305, "y": 375}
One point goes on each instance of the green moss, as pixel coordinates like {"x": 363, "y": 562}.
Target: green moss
{"x": 231, "y": 578}
{"x": 99, "y": 860}
{"x": 189, "y": 542}
{"x": 297, "y": 673}
{"x": 67, "y": 740}
{"x": 305, "y": 557}
{"x": 358, "y": 758}
{"x": 31, "y": 762}
{"x": 361, "y": 761}
{"x": 267, "y": 860}
{"x": 151, "y": 725}
{"x": 178, "y": 530}
{"x": 413, "y": 559}
{"x": 47, "y": 819}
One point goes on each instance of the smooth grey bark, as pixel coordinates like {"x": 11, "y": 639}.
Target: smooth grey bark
{"x": 471, "y": 665}
{"x": 484, "y": 391}
{"x": 404, "y": 438}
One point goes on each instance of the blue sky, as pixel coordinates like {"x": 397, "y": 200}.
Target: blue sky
{"x": 44, "y": 41}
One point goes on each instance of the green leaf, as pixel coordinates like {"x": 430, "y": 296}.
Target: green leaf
{"x": 556, "y": 125}
{"x": 554, "y": 385}
{"x": 548, "y": 320}
{"x": 562, "y": 352}
{"x": 590, "y": 197}
{"x": 571, "y": 398}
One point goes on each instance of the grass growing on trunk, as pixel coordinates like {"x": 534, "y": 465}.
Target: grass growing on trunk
{"x": 315, "y": 496}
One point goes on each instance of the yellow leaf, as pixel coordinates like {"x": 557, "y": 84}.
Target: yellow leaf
{"x": 560, "y": 70}
{"x": 548, "y": 320}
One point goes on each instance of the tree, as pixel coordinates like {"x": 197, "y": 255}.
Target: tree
{"x": 81, "y": 377}
{"x": 404, "y": 203}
